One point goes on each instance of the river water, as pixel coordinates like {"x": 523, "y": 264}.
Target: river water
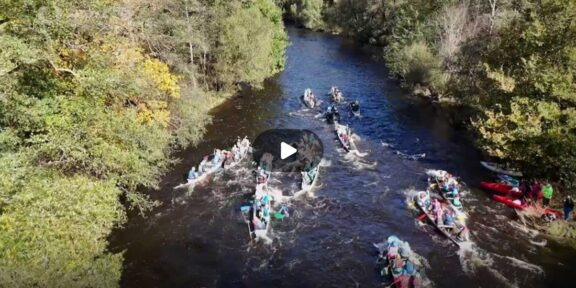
{"x": 200, "y": 240}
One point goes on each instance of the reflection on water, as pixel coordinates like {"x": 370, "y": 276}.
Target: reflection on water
{"x": 202, "y": 241}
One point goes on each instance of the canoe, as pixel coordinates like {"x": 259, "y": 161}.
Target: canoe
{"x": 250, "y": 209}
{"x": 354, "y": 109}
{"x": 498, "y": 168}
{"x": 247, "y": 150}
{"x": 249, "y": 212}
{"x": 509, "y": 201}
{"x": 507, "y": 179}
{"x": 442, "y": 230}
{"x": 501, "y": 189}
{"x": 191, "y": 184}
{"x": 217, "y": 168}
{"x": 336, "y": 95}
{"x": 398, "y": 265}
{"x": 516, "y": 204}
{"x": 340, "y": 130}
{"x": 307, "y": 103}
{"x": 307, "y": 185}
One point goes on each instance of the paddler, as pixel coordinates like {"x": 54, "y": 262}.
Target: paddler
{"x": 424, "y": 200}
{"x": 192, "y": 175}
{"x": 257, "y": 220}
{"x": 238, "y": 142}
{"x": 245, "y": 142}
{"x": 453, "y": 193}
{"x": 355, "y": 105}
{"x": 456, "y": 202}
{"x": 448, "y": 218}
{"x": 202, "y": 165}
{"x": 452, "y": 181}
{"x": 217, "y": 157}
{"x": 438, "y": 211}
{"x": 236, "y": 153}
{"x": 312, "y": 98}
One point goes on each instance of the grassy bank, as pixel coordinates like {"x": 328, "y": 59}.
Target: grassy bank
{"x": 507, "y": 66}
{"x": 94, "y": 97}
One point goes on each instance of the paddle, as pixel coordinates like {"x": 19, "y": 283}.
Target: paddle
{"x": 249, "y": 230}
{"x": 394, "y": 283}
{"x": 421, "y": 217}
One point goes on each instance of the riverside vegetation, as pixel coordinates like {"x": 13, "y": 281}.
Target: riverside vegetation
{"x": 507, "y": 65}
{"x": 94, "y": 97}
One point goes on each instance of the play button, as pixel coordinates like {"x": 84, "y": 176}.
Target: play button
{"x": 286, "y": 150}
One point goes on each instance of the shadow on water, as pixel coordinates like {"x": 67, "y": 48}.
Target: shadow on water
{"x": 327, "y": 241}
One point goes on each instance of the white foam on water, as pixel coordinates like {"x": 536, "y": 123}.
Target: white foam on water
{"x": 433, "y": 172}
{"x": 357, "y": 163}
{"x": 262, "y": 236}
{"x": 535, "y": 269}
{"x": 522, "y": 228}
{"x": 473, "y": 258}
{"x": 413, "y": 157}
{"x": 410, "y": 194}
{"x": 325, "y": 163}
{"x": 491, "y": 227}
{"x": 384, "y": 144}
{"x": 501, "y": 217}
{"x": 503, "y": 279}
{"x": 375, "y": 183}
{"x": 541, "y": 243}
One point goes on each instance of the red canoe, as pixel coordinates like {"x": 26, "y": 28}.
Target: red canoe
{"x": 515, "y": 203}
{"x": 510, "y": 202}
{"x": 500, "y": 188}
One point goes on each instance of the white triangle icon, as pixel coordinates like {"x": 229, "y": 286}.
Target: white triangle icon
{"x": 286, "y": 150}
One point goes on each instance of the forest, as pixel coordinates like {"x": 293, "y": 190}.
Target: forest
{"x": 95, "y": 95}
{"x": 506, "y": 67}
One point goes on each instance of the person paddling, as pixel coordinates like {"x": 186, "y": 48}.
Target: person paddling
{"x": 192, "y": 175}
{"x": 217, "y": 157}
{"x": 568, "y": 207}
{"x": 202, "y": 165}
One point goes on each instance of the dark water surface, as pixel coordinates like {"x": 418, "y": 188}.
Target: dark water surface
{"x": 201, "y": 241}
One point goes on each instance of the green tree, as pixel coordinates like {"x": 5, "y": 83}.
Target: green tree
{"x": 94, "y": 97}
{"x": 531, "y": 116}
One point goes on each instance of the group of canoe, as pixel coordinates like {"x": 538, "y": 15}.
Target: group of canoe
{"x": 441, "y": 205}
{"x": 343, "y": 132}
{"x": 219, "y": 161}
{"x": 507, "y": 190}
{"x": 442, "y": 208}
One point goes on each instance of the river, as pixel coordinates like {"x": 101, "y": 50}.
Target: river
{"x": 199, "y": 240}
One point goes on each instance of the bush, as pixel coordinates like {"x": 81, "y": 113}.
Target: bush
{"x": 416, "y": 64}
